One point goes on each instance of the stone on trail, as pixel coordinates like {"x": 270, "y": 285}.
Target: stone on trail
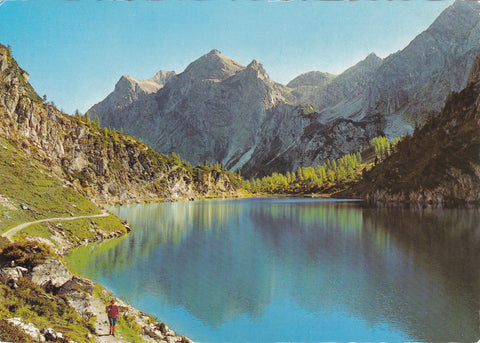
{"x": 51, "y": 273}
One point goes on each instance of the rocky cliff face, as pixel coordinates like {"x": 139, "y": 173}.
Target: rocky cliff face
{"x": 414, "y": 82}
{"x": 345, "y": 95}
{"x": 410, "y": 85}
{"x": 294, "y": 136}
{"x": 219, "y": 110}
{"x": 105, "y": 165}
{"x": 440, "y": 163}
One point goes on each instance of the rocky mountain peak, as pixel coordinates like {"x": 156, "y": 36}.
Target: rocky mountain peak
{"x": 260, "y": 72}
{"x": 373, "y": 58}
{"x": 214, "y": 52}
{"x": 162, "y": 77}
{"x": 312, "y": 78}
{"x": 212, "y": 66}
{"x": 371, "y": 62}
{"x": 125, "y": 83}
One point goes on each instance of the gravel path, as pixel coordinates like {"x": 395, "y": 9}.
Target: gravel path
{"x": 101, "y": 325}
{"x": 10, "y": 233}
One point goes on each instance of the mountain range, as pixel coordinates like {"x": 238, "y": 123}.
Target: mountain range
{"x": 220, "y": 110}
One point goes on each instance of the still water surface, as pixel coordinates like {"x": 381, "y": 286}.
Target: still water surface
{"x": 269, "y": 270}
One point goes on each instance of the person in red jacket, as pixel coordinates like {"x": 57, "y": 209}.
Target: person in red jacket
{"x": 112, "y": 312}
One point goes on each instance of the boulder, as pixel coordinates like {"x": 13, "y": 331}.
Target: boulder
{"x": 165, "y": 330}
{"x": 28, "y": 328}
{"x": 12, "y": 273}
{"x": 51, "y": 273}
{"x": 153, "y": 331}
{"x": 76, "y": 284}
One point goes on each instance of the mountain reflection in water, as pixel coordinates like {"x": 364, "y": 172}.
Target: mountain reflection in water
{"x": 399, "y": 273}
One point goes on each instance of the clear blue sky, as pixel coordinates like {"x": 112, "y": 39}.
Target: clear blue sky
{"x": 75, "y": 51}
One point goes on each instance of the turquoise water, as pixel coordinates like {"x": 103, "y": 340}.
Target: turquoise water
{"x": 298, "y": 270}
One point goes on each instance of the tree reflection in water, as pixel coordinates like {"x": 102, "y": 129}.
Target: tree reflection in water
{"x": 414, "y": 271}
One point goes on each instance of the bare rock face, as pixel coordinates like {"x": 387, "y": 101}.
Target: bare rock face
{"x": 415, "y": 82}
{"x": 440, "y": 162}
{"x": 128, "y": 90}
{"x": 51, "y": 273}
{"x": 343, "y": 96}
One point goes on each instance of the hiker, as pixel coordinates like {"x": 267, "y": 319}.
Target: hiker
{"x": 112, "y": 311}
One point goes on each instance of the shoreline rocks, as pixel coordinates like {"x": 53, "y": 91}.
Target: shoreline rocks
{"x": 54, "y": 277}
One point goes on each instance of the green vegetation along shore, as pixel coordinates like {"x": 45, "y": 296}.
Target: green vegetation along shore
{"x": 329, "y": 178}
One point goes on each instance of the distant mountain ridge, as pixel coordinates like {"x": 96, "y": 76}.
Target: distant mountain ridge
{"x": 220, "y": 110}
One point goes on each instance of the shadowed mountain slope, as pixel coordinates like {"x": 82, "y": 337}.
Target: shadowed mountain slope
{"x": 440, "y": 162}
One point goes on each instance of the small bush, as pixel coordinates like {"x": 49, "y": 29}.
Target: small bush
{"x": 28, "y": 254}
{"x": 3, "y": 242}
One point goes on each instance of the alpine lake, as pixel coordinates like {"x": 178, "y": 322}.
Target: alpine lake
{"x": 296, "y": 270}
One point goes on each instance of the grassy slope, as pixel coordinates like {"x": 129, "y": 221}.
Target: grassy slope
{"x": 25, "y": 184}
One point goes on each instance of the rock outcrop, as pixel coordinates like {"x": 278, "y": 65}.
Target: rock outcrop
{"x": 52, "y": 274}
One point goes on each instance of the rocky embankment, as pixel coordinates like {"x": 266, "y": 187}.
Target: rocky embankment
{"x": 55, "y": 280}
{"x": 54, "y": 277}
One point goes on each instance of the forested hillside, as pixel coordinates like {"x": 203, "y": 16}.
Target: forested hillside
{"x": 328, "y": 178}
